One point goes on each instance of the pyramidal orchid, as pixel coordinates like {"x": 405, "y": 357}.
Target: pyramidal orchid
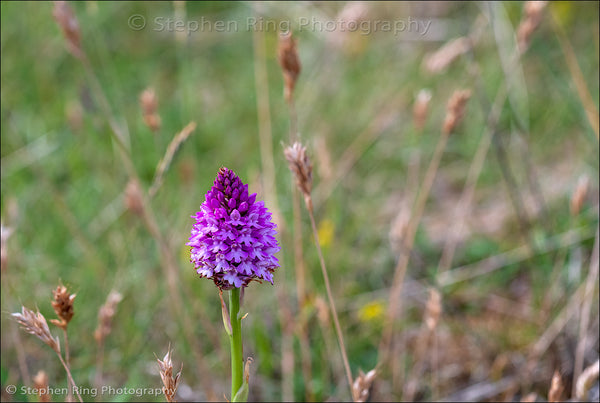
{"x": 233, "y": 243}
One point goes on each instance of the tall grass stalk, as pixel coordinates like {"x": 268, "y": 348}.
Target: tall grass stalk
{"x": 301, "y": 167}
{"x": 290, "y": 63}
{"x": 455, "y": 111}
{"x": 169, "y": 264}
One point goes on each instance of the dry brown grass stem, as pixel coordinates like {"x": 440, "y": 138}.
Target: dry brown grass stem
{"x": 268, "y": 178}
{"x": 165, "y": 162}
{"x": 425, "y": 348}
{"x": 586, "y": 306}
{"x": 591, "y": 111}
{"x": 105, "y": 317}
{"x": 301, "y": 167}
{"x": 300, "y": 269}
{"x": 265, "y": 133}
{"x": 532, "y": 16}
{"x": 586, "y": 380}
{"x": 556, "y": 388}
{"x": 21, "y": 356}
{"x": 475, "y": 169}
{"x": 66, "y": 20}
{"x": 170, "y": 381}
{"x": 40, "y": 382}
{"x": 553, "y": 330}
{"x": 334, "y": 314}
{"x": 579, "y": 195}
{"x": 287, "y": 55}
{"x": 169, "y": 264}
{"x": 455, "y": 112}
{"x": 35, "y": 323}
{"x": 466, "y": 199}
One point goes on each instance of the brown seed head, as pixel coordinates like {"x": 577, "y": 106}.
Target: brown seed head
{"x": 148, "y": 101}
{"x": 63, "y": 306}
{"x": 556, "y": 388}
{"x": 105, "y": 315}
{"x": 361, "y": 389}
{"x": 532, "y": 16}
{"x": 433, "y": 309}
{"x": 420, "y": 108}
{"x": 455, "y": 110}
{"x": 301, "y": 167}
{"x": 149, "y": 105}
{"x": 134, "y": 200}
{"x": 170, "y": 382}
{"x": 40, "y": 383}
{"x": 287, "y": 54}
{"x": 35, "y": 324}
{"x": 66, "y": 20}
{"x": 439, "y": 61}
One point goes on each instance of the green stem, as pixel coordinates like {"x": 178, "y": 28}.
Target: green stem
{"x": 235, "y": 339}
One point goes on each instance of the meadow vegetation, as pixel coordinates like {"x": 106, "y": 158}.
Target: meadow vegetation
{"x": 452, "y": 154}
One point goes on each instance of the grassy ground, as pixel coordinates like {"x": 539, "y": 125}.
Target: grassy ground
{"x": 524, "y": 257}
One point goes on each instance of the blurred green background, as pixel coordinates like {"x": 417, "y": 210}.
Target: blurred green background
{"x": 63, "y": 180}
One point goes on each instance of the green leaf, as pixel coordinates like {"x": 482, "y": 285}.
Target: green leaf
{"x": 242, "y": 393}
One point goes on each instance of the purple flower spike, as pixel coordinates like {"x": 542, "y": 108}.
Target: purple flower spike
{"x": 233, "y": 240}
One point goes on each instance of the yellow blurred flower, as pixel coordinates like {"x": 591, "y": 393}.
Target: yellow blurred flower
{"x": 563, "y": 12}
{"x": 371, "y": 312}
{"x": 326, "y": 232}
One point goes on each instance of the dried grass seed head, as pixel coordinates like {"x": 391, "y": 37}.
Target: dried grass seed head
{"x": 134, "y": 200}
{"x": 67, "y": 21}
{"x": 433, "y": 309}
{"x": 439, "y": 61}
{"x": 421, "y": 108}
{"x": 556, "y": 388}
{"x": 300, "y": 166}
{"x": 63, "y": 306}
{"x": 149, "y": 106}
{"x": 105, "y": 316}
{"x": 35, "y": 323}
{"x": 169, "y": 381}
{"x": 361, "y": 388}
{"x": 40, "y": 383}
{"x": 532, "y": 16}
{"x": 455, "y": 110}
{"x": 287, "y": 54}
